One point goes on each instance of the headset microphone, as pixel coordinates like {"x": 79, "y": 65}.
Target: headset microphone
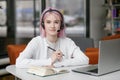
{"x": 58, "y": 30}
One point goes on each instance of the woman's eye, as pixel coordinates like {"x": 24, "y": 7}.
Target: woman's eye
{"x": 56, "y": 22}
{"x": 48, "y": 22}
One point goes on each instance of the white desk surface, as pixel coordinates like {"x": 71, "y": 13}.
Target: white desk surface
{"x": 22, "y": 74}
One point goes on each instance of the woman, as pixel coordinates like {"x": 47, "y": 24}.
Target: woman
{"x": 52, "y": 48}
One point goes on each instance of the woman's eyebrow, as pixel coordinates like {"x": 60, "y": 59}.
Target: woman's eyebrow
{"x": 57, "y": 20}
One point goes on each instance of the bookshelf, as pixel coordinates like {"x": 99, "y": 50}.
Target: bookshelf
{"x": 112, "y": 24}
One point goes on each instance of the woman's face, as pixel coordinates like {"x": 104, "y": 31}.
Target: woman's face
{"x": 52, "y": 24}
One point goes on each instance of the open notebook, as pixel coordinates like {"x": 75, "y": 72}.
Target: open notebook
{"x": 44, "y": 71}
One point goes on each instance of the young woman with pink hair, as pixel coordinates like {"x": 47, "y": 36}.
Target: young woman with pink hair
{"x": 52, "y": 48}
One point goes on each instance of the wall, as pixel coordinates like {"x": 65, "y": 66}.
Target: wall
{"x": 97, "y": 19}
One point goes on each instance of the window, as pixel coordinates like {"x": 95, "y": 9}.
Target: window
{"x": 26, "y": 19}
{"x": 3, "y": 28}
{"x": 74, "y": 15}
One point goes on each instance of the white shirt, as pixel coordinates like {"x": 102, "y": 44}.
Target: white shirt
{"x": 36, "y": 53}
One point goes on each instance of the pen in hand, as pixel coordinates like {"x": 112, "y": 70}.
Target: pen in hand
{"x": 53, "y": 49}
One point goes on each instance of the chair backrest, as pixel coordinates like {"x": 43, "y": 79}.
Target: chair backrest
{"x": 13, "y": 52}
{"x": 83, "y": 42}
{"x": 116, "y": 36}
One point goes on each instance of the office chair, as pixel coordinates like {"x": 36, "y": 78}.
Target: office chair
{"x": 13, "y": 51}
{"x": 83, "y": 42}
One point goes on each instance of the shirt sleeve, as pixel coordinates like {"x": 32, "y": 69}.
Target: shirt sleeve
{"x": 25, "y": 58}
{"x": 77, "y": 57}
{"x": 25, "y": 63}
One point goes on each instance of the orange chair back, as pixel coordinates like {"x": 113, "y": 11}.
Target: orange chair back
{"x": 111, "y": 37}
{"x": 13, "y": 52}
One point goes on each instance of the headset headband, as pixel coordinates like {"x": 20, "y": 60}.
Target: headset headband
{"x": 50, "y": 10}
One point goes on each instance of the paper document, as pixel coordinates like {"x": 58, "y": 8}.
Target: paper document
{"x": 45, "y": 71}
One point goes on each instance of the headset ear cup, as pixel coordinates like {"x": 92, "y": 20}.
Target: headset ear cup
{"x": 43, "y": 25}
{"x": 62, "y": 25}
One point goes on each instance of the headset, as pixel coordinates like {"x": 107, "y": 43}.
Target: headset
{"x": 50, "y": 10}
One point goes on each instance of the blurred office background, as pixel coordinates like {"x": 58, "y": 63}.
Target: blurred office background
{"x": 22, "y": 19}
{"x": 19, "y": 20}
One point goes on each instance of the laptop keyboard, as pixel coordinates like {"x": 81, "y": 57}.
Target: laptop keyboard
{"x": 93, "y": 70}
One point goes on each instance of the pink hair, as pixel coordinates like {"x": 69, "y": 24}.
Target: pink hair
{"x": 42, "y": 30}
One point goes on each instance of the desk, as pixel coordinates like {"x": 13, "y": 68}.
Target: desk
{"x": 22, "y": 74}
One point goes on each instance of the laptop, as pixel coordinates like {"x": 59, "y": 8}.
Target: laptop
{"x": 109, "y": 59}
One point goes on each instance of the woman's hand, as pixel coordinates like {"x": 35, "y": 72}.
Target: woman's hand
{"x": 59, "y": 55}
{"x": 56, "y": 56}
{"x": 49, "y": 66}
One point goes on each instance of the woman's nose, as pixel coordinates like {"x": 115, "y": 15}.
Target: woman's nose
{"x": 53, "y": 25}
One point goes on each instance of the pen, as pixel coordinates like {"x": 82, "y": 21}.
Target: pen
{"x": 53, "y": 49}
